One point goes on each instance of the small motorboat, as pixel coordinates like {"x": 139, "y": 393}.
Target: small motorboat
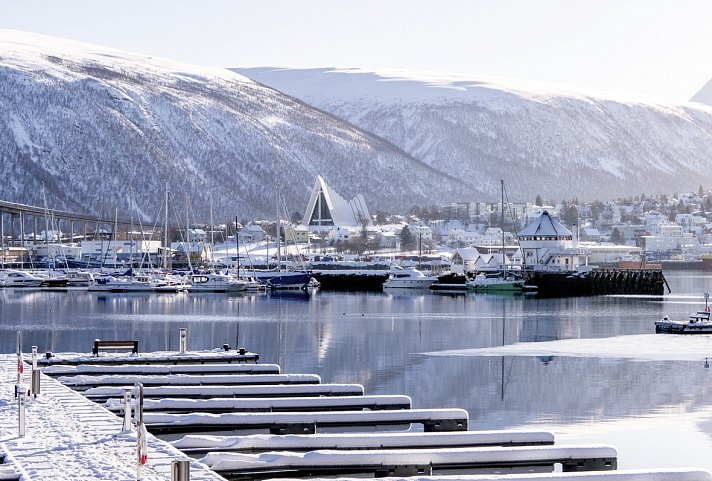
{"x": 698, "y": 323}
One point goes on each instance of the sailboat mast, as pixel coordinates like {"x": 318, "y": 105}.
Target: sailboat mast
{"x": 279, "y": 247}
{"x": 237, "y": 248}
{"x": 116, "y": 228}
{"x": 165, "y": 234}
{"x": 212, "y": 231}
{"x": 504, "y": 267}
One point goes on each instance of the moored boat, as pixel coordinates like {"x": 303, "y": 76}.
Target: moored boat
{"x": 499, "y": 282}
{"x": 409, "y": 279}
{"x": 13, "y": 278}
{"x": 216, "y": 282}
{"x": 451, "y": 282}
{"x": 698, "y": 323}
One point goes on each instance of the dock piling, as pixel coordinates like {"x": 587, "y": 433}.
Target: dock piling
{"x": 180, "y": 470}
{"x": 183, "y": 347}
{"x": 127, "y": 409}
{"x": 35, "y": 375}
{"x": 21, "y": 401}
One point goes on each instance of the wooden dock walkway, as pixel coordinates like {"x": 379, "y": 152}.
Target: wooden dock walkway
{"x": 70, "y": 438}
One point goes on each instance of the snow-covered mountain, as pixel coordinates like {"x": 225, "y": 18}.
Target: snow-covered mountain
{"x": 100, "y": 127}
{"x": 547, "y": 140}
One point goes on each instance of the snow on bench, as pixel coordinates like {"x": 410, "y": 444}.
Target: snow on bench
{"x": 94, "y": 369}
{"x": 102, "y": 394}
{"x": 158, "y": 357}
{"x": 305, "y": 422}
{"x": 389, "y": 440}
{"x": 224, "y": 405}
{"x": 665, "y": 474}
{"x": 83, "y": 382}
{"x": 412, "y": 461}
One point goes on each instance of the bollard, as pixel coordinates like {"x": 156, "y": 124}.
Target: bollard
{"x": 35, "y": 383}
{"x": 20, "y": 362}
{"x": 34, "y": 375}
{"x": 21, "y": 401}
{"x": 127, "y": 408}
{"x": 180, "y": 470}
{"x": 183, "y": 340}
{"x": 139, "y": 402}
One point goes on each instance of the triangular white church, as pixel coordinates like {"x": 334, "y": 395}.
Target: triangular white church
{"x": 327, "y": 209}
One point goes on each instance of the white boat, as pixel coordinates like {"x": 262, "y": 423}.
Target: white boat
{"x": 137, "y": 283}
{"x": 13, "y": 278}
{"x": 499, "y": 282}
{"x": 215, "y": 282}
{"x": 79, "y": 278}
{"x": 698, "y": 323}
{"x": 408, "y": 279}
{"x": 252, "y": 284}
{"x": 170, "y": 283}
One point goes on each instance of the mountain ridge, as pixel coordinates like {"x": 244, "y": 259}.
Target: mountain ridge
{"x": 94, "y": 130}
{"x": 557, "y": 142}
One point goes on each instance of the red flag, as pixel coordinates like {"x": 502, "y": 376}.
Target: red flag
{"x": 20, "y": 365}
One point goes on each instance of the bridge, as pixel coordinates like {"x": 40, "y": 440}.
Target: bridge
{"x": 21, "y": 214}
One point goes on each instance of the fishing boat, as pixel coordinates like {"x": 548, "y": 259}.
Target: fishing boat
{"x": 408, "y": 279}
{"x": 698, "y": 323}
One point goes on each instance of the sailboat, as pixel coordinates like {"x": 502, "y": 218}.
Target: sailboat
{"x": 502, "y": 281}
{"x": 280, "y": 280}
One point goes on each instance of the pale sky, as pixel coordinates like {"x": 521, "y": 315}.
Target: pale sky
{"x": 651, "y": 47}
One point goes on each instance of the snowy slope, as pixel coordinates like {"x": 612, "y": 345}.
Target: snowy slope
{"x": 548, "y": 140}
{"x": 99, "y": 127}
{"x": 704, "y": 95}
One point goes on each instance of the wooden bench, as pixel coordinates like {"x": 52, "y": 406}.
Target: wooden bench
{"x": 103, "y": 345}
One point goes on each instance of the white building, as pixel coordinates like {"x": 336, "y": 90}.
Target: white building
{"x": 298, "y": 234}
{"x": 326, "y": 209}
{"x": 548, "y": 245}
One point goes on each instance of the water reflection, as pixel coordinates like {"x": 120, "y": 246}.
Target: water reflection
{"x": 378, "y": 339}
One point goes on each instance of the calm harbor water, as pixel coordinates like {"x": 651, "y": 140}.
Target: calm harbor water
{"x": 588, "y": 369}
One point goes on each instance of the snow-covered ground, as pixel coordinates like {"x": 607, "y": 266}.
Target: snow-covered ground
{"x": 640, "y": 347}
{"x": 70, "y": 438}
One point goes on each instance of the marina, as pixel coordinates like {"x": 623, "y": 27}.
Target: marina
{"x": 454, "y": 448}
{"x": 284, "y": 331}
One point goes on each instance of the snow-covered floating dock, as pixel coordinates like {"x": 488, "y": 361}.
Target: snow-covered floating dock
{"x": 69, "y": 437}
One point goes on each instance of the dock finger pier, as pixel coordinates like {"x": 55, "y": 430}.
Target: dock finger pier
{"x": 117, "y": 413}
